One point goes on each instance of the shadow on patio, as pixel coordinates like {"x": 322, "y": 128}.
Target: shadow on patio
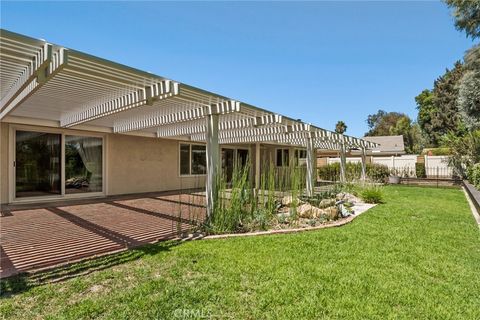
{"x": 40, "y": 237}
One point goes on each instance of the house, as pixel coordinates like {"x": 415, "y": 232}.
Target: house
{"x": 73, "y": 125}
{"x": 386, "y": 146}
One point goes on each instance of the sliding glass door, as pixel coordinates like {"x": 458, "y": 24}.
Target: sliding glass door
{"x": 42, "y": 159}
{"x": 37, "y": 164}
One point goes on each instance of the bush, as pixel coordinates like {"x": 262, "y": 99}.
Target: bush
{"x": 420, "y": 170}
{"x": 371, "y": 194}
{"x": 474, "y": 175}
{"x": 375, "y": 172}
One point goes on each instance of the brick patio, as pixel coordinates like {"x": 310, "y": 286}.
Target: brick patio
{"x": 35, "y": 237}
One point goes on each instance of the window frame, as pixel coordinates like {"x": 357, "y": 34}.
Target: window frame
{"x": 282, "y": 157}
{"x": 190, "y": 158}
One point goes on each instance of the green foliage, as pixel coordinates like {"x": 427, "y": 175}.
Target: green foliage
{"x": 465, "y": 151}
{"x": 467, "y": 16}
{"x": 469, "y": 89}
{"x": 340, "y": 127}
{"x": 233, "y": 206}
{"x": 370, "y": 193}
{"x": 420, "y": 170}
{"x": 441, "y": 151}
{"x": 375, "y": 172}
{"x": 474, "y": 175}
{"x": 394, "y": 123}
{"x": 437, "y": 109}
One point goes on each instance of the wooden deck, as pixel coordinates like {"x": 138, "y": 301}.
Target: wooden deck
{"x": 34, "y": 237}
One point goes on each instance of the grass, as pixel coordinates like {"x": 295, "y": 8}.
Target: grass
{"x": 415, "y": 256}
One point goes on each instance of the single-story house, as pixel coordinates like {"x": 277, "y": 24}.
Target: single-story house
{"x": 73, "y": 125}
{"x": 386, "y": 146}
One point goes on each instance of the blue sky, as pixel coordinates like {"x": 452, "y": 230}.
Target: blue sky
{"x": 317, "y": 61}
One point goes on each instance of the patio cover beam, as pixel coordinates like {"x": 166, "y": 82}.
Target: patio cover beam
{"x": 44, "y": 65}
{"x": 195, "y": 127}
{"x": 160, "y": 90}
{"x": 195, "y": 112}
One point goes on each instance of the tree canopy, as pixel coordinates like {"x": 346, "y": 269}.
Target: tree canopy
{"x": 385, "y": 123}
{"x": 467, "y": 16}
{"x": 340, "y": 127}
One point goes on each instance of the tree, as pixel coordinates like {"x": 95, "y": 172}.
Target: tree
{"x": 340, "y": 127}
{"x": 394, "y": 123}
{"x": 468, "y": 101}
{"x": 465, "y": 151}
{"x": 437, "y": 109}
{"x": 426, "y": 108}
{"x": 381, "y": 122}
{"x": 467, "y": 16}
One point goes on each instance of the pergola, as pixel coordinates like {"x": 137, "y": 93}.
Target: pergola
{"x": 68, "y": 88}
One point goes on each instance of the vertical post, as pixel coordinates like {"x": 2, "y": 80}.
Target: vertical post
{"x": 213, "y": 156}
{"x": 257, "y": 166}
{"x": 364, "y": 164}
{"x": 310, "y": 166}
{"x": 343, "y": 163}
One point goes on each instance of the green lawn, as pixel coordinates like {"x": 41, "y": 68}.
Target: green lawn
{"x": 416, "y": 256}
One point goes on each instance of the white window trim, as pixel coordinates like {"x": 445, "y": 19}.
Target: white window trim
{"x": 13, "y": 128}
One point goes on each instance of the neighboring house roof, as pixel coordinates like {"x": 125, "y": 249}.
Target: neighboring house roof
{"x": 388, "y": 144}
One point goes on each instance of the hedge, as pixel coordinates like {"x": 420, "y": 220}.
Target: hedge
{"x": 375, "y": 172}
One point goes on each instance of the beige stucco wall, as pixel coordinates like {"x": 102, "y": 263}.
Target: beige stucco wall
{"x": 133, "y": 164}
{"x": 139, "y": 164}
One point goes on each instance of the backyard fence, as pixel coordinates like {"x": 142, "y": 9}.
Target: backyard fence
{"x": 436, "y": 167}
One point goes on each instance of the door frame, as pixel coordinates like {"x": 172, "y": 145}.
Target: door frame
{"x": 13, "y": 128}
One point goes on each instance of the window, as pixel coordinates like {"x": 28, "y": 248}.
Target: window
{"x": 300, "y": 157}
{"x": 193, "y": 159}
{"x": 83, "y": 164}
{"x": 184, "y": 159}
{"x": 283, "y": 157}
{"x": 199, "y": 159}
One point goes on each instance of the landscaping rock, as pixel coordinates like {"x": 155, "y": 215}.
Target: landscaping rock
{"x": 325, "y": 203}
{"x": 347, "y": 197}
{"x": 288, "y": 200}
{"x": 304, "y": 210}
{"x": 331, "y": 213}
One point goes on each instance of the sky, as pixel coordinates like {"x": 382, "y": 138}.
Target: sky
{"x": 316, "y": 61}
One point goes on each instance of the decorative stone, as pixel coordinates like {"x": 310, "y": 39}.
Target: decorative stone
{"x": 331, "y": 213}
{"x": 325, "y": 203}
{"x": 347, "y": 197}
{"x": 304, "y": 210}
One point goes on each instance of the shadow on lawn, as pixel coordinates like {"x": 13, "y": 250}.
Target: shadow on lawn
{"x": 24, "y": 282}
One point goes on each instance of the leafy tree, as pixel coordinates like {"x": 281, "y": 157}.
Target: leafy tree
{"x": 468, "y": 101}
{"x": 465, "y": 151}
{"x": 437, "y": 109}
{"x": 467, "y": 16}
{"x": 340, "y": 127}
{"x": 426, "y": 108}
{"x": 394, "y": 123}
{"x": 381, "y": 122}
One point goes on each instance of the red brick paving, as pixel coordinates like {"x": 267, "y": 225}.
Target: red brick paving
{"x": 43, "y": 237}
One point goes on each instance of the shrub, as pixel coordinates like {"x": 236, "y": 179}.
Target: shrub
{"x": 474, "y": 175}
{"x": 420, "y": 170}
{"x": 375, "y": 172}
{"x": 371, "y": 194}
